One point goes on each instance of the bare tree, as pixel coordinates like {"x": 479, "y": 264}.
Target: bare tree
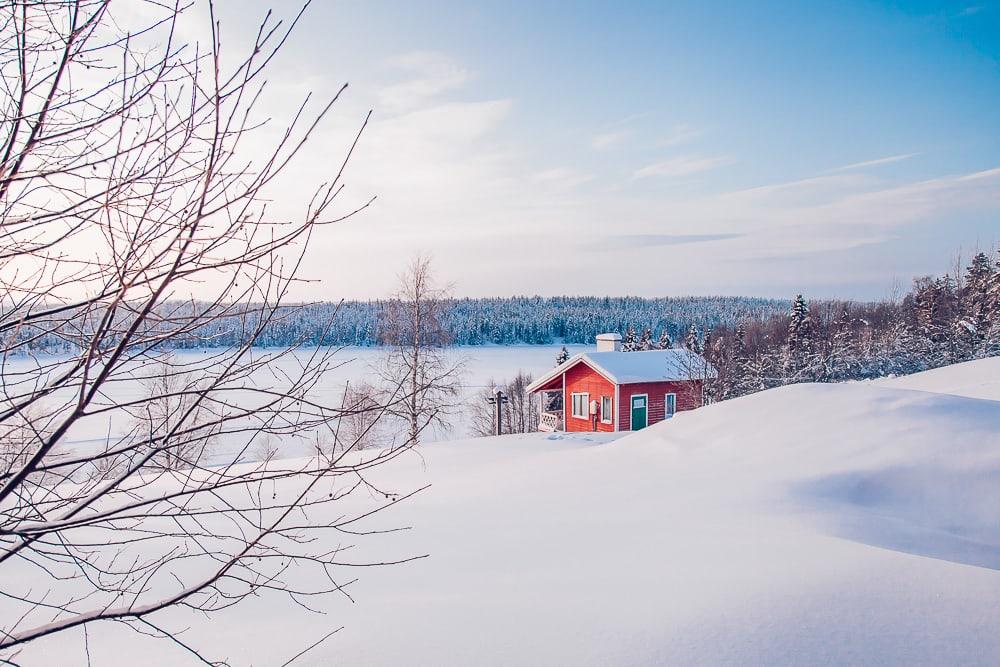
{"x": 690, "y": 364}
{"x": 361, "y": 423}
{"x": 520, "y": 411}
{"x": 171, "y": 395}
{"x": 265, "y": 448}
{"x": 18, "y": 435}
{"x": 361, "y": 426}
{"x": 428, "y": 380}
{"x": 127, "y": 186}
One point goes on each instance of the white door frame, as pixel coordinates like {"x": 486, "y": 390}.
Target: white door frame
{"x": 631, "y": 424}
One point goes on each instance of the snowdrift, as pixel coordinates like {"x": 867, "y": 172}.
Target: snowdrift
{"x": 812, "y": 524}
{"x": 976, "y": 379}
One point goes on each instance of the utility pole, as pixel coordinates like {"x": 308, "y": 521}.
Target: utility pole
{"x": 497, "y": 400}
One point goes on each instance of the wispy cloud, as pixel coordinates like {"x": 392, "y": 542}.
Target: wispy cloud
{"x": 561, "y": 177}
{"x": 824, "y": 215}
{"x": 681, "y": 134}
{"x": 428, "y": 75}
{"x": 986, "y": 174}
{"x": 607, "y": 140}
{"x": 877, "y": 162}
{"x": 812, "y": 188}
{"x": 683, "y": 165}
{"x": 649, "y": 240}
{"x": 616, "y": 133}
{"x": 619, "y": 133}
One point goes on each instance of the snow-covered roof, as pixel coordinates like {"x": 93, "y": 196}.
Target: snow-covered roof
{"x": 632, "y": 367}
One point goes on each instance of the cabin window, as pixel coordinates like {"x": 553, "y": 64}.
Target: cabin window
{"x": 606, "y": 414}
{"x": 580, "y": 405}
{"x": 669, "y": 405}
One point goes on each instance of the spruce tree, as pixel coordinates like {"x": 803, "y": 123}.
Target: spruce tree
{"x": 801, "y": 347}
{"x": 691, "y": 341}
{"x": 975, "y": 316}
{"x": 631, "y": 343}
{"x": 665, "y": 343}
{"x": 646, "y": 341}
{"x": 562, "y": 357}
{"x": 977, "y": 279}
{"x": 925, "y": 308}
{"x": 992, "y": 313}
{"x": 935, "y": 309}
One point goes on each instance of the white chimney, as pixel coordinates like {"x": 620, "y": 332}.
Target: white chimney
{"x": 609, "y": 342}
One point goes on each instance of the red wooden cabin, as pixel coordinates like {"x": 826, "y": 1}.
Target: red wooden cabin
{"x": 611, "y": 390}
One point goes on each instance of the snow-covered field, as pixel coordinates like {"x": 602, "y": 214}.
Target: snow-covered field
{"x": 812, "y": 524}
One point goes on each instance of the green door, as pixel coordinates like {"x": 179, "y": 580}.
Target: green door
{"x": 638, "y": 412}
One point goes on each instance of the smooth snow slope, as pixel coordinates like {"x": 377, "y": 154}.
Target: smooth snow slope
{"x": 976, "y": 379}
{"x": 814, "y": 524}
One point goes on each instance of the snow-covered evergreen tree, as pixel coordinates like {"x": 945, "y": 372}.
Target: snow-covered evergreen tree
{"x": 899, "y": 351}
{"x": 664, "y": 343}
{"x": 992, "y": 313}
{"x": 800, "y": 349}
{"x": 976, "y": 315}
{"x": 691, "y": 341}
{"x": 646, "y": 340}
{"x": 562, "y": 357}
{"x": 737, "y": 363}
{"x": 631, "y": 342}
{"x": 978, "y": 277}
{"x": 935, "y": 313}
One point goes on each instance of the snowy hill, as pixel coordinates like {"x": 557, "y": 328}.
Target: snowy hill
{"x": 812, "y": 524}
{"x": 976, "y": 379}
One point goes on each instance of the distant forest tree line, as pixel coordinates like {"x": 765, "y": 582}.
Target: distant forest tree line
{"x": 531, "y": 320}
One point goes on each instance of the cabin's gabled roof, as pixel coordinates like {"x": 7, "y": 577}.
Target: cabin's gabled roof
{"x": 675, "y": 364}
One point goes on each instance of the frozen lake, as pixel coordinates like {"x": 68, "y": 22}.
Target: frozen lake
{"x": 482, "y": 367}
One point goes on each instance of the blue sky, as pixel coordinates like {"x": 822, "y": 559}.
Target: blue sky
{"x": 654, "y": 148}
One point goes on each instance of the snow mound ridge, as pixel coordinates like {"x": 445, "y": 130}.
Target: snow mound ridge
{"x": 975, "y": 379}
{"x": 907, "y": 470}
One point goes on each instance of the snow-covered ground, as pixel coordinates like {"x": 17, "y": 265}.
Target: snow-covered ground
{"x": 814, "y": 524}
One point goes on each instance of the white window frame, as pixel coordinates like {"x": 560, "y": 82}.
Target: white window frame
{"x": 607, "y": 417}
{"x": 585, "y": 405}
{"x": 668, "y": 415}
